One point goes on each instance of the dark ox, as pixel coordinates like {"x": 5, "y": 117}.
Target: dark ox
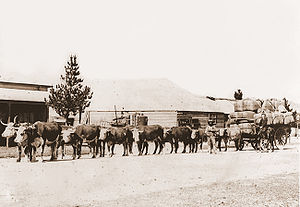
{"x": 50, "y": 133}
{"x": 88, "y": 134}
{"x": 179, "y": 134}
{"x": 197, "y": 137}
{"x": 152, "y": 133}
{"x": 117, "y": 135}
{"x": 222, "y": 134}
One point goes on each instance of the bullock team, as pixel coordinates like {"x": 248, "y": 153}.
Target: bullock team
{"x": 30, "y": 137}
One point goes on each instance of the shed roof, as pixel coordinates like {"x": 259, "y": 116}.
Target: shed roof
{"x": 22, "y": 95}
{"x": 150, "y": 94}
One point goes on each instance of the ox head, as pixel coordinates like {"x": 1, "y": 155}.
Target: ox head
{"x": 67, "y": 134}
{"x": 103, "y": 133}
{"x": 194, "y": 134}
{"x": 11, "y": 128}
{"x": 136, "y": 134}
{"x": 168, "y": 134}
{"x": 22, "y": 135}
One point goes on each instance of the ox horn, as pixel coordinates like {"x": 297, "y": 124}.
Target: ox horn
{"x": 15, "y": 119}
{"x": 3, "y": 123}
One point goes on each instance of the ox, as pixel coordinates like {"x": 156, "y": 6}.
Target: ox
{"x": 152, "y": 133}
{"x": 26, "y": 137}
{"x": 68, "y": 138}
{"x": 197, "y": 137}
{"x": 50, "y": 133}
{"x": 222, "y": 134}
{"x": 118, "y": 135}
{"x": 10, "y": 129}
{"x": 179, "y": 134}
{"x": 87, "y": 134}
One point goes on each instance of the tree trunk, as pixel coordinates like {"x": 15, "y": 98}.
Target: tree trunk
{"x": 80, "y": 113}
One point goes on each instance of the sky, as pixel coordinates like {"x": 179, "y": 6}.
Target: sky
{"x": 207, "y": 47}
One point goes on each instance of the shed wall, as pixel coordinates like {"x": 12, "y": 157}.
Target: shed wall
{"x": 163, "y": 118}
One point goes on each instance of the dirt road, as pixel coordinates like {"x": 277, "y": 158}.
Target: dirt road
{"x": 231, "y": 178}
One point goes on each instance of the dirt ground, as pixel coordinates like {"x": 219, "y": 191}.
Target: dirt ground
{"x": 245, "y": 178}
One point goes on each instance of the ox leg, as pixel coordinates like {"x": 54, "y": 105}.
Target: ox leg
{"x": 42, "y": 152}
{"x": 140, "y": 146}
{"x": 161, "y": 146}
{"x": 33, "y": 154}
{"x": 112, "y": 150}
{"x": 201, "y": 143}
{"x": 19, "y": 153}
{"x": 184, "y": 147}
{"x": 156, "y": 146}
{"x": 219, "y": 140}
{"x": 171, "y": 143}
{"x": 62, "y": 149}
{"x": 125, "y": 148}
{"x": 225, "y": 142}
{"x": 53, "y": 152}
{"x": 94, "y": 146}
{"x": 130, "y": 144}
{"x": 30, "y": 153}
{"x": 79, "y": 149}
{"x": 97, "y": 147}
{"x": 103, "y": 149}
{"x": 145, "y": 146}
{"x": 74, "y": 151}
{"x": 144, "y": 143}
{"x": 176, "y": 146}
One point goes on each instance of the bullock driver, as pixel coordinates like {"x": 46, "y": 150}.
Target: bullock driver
{"x": 211, "y": 131}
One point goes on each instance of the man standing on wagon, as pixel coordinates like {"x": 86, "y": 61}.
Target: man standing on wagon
{"x": 210, "y": 132}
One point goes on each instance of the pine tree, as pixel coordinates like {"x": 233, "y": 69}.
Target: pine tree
{"x": 70, "y": 96}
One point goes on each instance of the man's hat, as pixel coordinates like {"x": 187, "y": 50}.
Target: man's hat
{"x": 210, "y": 121}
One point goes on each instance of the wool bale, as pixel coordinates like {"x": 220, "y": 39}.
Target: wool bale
{"x": 288, "y": 118}
{"x": 257, "y": 118}
{"x": 282, "y": 109}
{"x": 251, "y": 105}
{"x": 278, "y": 118}
{"x": 245, "y": 121}
{"x": 234, "y": 131}
{"x": 267, "y": 106}
{"x": 236, "y": 115}
{"x": 248, "y": 114}
{"x": 276, "y": 102}
{"x": 238, "y": 106}
{"x": 246, "y": 128}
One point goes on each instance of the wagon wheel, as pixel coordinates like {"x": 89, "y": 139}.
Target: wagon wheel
{"x": 281, "y": 136}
